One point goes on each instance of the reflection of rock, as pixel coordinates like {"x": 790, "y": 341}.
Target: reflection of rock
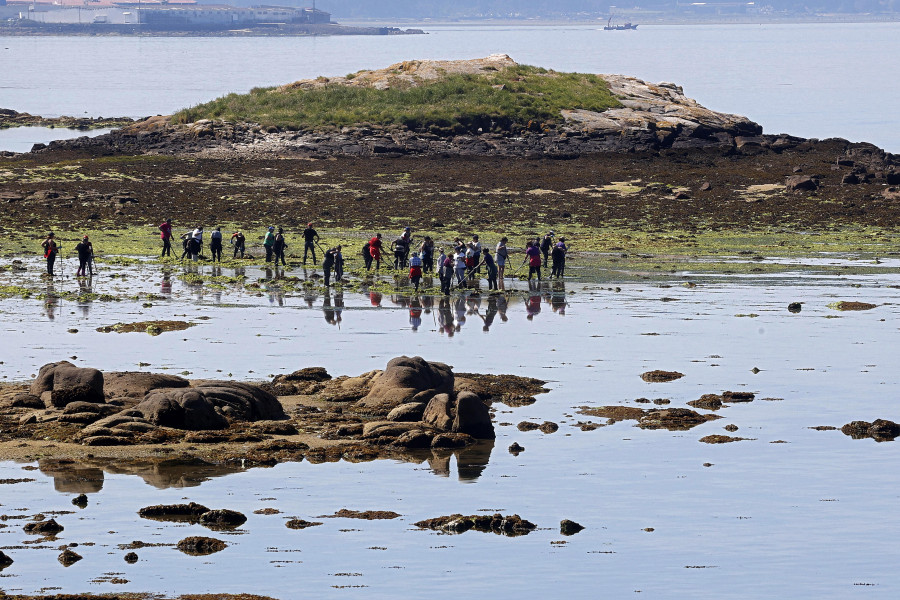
{"x": 70, "y": 476}
{"x": 5, "y": 560}
{"x": 880, "y": 430}
{"x": 512, "y": 525}
{"x": 59, "y": 383}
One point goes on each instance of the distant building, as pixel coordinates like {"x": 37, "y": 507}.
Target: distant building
{"x": 164, "y": 14}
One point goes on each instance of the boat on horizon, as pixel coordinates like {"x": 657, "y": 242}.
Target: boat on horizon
{"x": 611, "y": 27}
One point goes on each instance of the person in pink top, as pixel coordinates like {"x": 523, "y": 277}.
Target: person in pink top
{"x": 166, "y": 237}
{"x": 533, "y": 253}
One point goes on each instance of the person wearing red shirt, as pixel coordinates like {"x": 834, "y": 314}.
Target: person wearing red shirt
{"x": 375, "y": 249}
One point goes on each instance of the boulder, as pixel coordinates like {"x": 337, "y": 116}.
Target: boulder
{"x": 59, "y": 383}
{"x": 134, "y": 384}
{"x": 800, "y": 183}
{"x": 404, "y": 379}
{"x": 411, "y": 411}
{"x": 181, "y": 409}
{"x": 209, "y": 405}
{"x": 466, "y": 413}
{"x": 68, "y": 558}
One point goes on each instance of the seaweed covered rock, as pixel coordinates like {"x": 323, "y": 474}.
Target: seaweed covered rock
{"x": 880, "y": 430}
{"x": 406, "y": 380}
{"x": 60, "y": 383}
{"x": 49, "y": 527}
{"x": 497, "y": 523}
{"x": 302, "y": 381}
{"x": 200, "y": 546}
{"x": 222, "y": 519}
{"x": 190, "y": 513}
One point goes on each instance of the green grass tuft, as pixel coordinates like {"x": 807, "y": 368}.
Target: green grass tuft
{"x": 494, "y": 101}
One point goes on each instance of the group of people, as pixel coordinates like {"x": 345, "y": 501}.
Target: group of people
{"x": 84, "y": 248}
{"x": 466, "y": 259}
{"x": 456, "y": 267}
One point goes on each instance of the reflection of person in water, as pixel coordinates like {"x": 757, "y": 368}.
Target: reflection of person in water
{"x": 445, "y": 316}
{"x": 327, "y": 309}
{"x": 533, "y": 304}
{"x": 460, "y": 311}
{"x": 502, "y": 306}
{"x": 491, "y": 313}
{"x": 51, "y": 302}
{"x": 415, "y": 314}
{"x": 84, "y": 298}
{"x": 338, "y": 307}
{"x": 165, "y": 287}
{"x": 558, "y": 298}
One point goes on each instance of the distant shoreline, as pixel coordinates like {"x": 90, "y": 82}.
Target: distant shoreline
{"x": 282, "y": 30}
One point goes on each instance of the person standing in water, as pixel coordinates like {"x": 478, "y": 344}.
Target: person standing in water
{"x": 375, "y": 250}
{"x": 166, "y": 236}
{"x": 533, "y": 256}
{"x": 215, "y": 244}
{"x": 238, "y": 241}
{"x": 85, "y": 257}
{"x": 415, "y": 270}
{"x": 51, "y": 248}
{"x": 327, "y": 265}
{"x": 310, "y": 237}
{"x": 279, "y": 246}
{"x": 269, "y": 243}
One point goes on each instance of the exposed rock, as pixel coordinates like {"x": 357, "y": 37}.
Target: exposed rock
{"x": 707, "y": 402}
{"x": 368, "y": 515}
{"x": 49, "y": 527}
{"x": 512, "y": 525}
{"x": 302, "y": 381}
{"x": 59, "y": 383}
{"x": 135, "y": 384}
{"x": 222, "y": 519}
{"x": 415, "y": 438}
{"x": 880, "y": 430}
{"x": 738, "y": 396}
{"x": 464, "y": 414}
{"x": 842, "y": 305}
{"x": 613, "y": 413}
{"x": 406, "y": 380}
{"x": 661, "y": 376}
{"x": 174, "y": 512}
{"x": 801, "y": 183}
{"x": 452, "y": 440}
{"x": 209, "y": 405}
{"x": 795, "y": 307}
{"x": 131, "y": 558}
{"x": 721, "y": 439}
{"x": 567, "y": 527}
{"x": 549, "y": 427}
{"x": 200, "y": 545}
{"x": 301, "y": 524}
{"x": 515, "y": 448}
{"x": 26, "y": 401}
{"x": 81, "y": 500}
{"x": 5, "y": 560}
{"x": 68, "y": 558}
{"x": 673, "y": 419}
{"x": 411, "y": 411}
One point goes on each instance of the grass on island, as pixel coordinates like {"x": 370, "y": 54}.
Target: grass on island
{"x": 498, "y": 100}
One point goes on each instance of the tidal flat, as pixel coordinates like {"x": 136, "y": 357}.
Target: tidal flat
{"x": 788, "y": 505}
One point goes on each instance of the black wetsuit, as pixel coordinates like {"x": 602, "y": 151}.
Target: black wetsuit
{"x": 309, "y": 243}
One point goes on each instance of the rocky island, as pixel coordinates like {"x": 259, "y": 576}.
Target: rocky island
{"x": 527, "y": 146}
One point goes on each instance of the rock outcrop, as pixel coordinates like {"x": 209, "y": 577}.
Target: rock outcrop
{"x": 406, "y": 380}
{"x": 60, "y": 383}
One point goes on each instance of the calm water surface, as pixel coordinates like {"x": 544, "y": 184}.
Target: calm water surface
{"x": 792, "y": 512}
{"x": 811, "y": 80}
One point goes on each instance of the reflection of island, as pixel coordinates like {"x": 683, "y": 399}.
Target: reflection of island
{"x": 85, "y": 476}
